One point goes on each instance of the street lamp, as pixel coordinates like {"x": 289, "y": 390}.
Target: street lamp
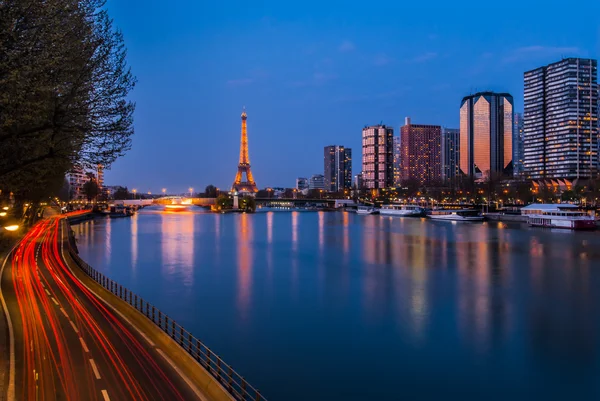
{"x": 13, "y": 227}
{"x": 164, "y": 191}
{"x": 191, "y": 190}
{"x": 134, "y": 192}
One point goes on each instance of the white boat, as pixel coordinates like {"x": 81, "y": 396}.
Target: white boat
{"x": 402, "y": 210}
{"x": 456, "y": 215}
{"x": 558, "y": 216}
{"x": 366, "y": 210}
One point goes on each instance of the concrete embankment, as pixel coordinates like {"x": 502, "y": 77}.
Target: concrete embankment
{"x": 508, "y": 218}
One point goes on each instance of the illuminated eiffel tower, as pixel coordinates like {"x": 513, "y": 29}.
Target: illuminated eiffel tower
{"x": 244, "y": 167}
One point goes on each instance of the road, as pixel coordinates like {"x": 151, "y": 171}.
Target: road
{"x": 68, "y": 344}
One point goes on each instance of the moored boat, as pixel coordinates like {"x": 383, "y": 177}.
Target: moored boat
{"x": 456, "y": 215}
{"x": 402, "y": 210}
{"x": 558, "y": 216}
{"x": 366, "y": 209}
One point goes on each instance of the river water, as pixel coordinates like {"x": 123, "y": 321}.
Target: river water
{"x": 336, "y": 306}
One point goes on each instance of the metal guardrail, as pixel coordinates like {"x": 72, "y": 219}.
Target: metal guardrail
{"x": 233, "y": 382}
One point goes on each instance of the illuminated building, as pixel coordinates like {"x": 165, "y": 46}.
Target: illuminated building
{"x": 317, "y": 181}
{"x": 397, "y": 153}
{"x": 486, "y": 130}
{"x": 421, "y": 153}
{"x": 77, "y": 177}
{"x": 561, "y": 120}
{"x": 301, "y": 183}
{"x": 337, "y": 167}
{"x": 450, "y": 155}
{"x": 377, "y": 157}
{"x": 247, "y": 186}
{"x": 518, "y": 145}
{"x": 357, "y": 184}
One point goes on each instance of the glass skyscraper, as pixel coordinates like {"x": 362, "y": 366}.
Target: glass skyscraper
{"x": 377, "y": 157}
{"x": 397, "y": 157}
{"x": 486, "y": 130}
{"x": 337, "y": 168}
{"x": 450, "y": 155}
{"x": 518, "y": 145}
{"x": 561, "y": 120}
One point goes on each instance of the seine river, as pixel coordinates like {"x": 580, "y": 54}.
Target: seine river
{"x": 336, "y": 306}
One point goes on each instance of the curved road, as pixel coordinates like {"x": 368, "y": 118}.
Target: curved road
{"x": 68, "y": 344}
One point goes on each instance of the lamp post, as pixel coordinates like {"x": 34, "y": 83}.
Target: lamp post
{"x": 164, "y": 191}
{"x": 134, "y": 192}
{"x": 191, "y": 190}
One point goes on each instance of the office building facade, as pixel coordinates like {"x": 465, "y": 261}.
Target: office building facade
{"x": 561, "y": 120}
{"x": 450, "y": 152}
{"x": 337, "y": 166}
{"x": 377, "y": 157}
{"x": 301, "y": 183}
{"x": 317, "y": 181}
{"x": 486, "y": 131}
{"x": 397, "y": 158}
{"x": 518, "y": 145}
{"x": 421, "y": 153}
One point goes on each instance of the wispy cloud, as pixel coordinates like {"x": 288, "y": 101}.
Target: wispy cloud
{"x": 421, "y": 58}
{"x": 318, "y": 78}
{"x": 346, "y": 46}
{"x": 240, "y": 82}
{"x": 537, "y": 51}
{"x": 382, "y": 59}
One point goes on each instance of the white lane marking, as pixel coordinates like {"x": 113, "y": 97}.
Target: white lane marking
{"x": 11, "y": 335}
{"x": 74, "y": 327}
{"x": 55, "y": 301}
{"x": 64, "y": 313}
{"x": 191, "y": 385}
{"x": 95, "y": 369}
{"x": 84, "y": 345}
{"x": 105, "y": 395}
{"x": 47, "y": 292}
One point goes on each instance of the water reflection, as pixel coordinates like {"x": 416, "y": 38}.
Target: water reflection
{"x": 134, "y": 241}
{"x": 452, "y": 304}
{"x": 244, "y": 255}
{"x": 177, "y": 231}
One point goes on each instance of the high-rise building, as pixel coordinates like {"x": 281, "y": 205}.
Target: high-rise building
{"x": 357, "y": 184}
{"x": 421, "y": 153}
{"x": 301, "y": 183}
{"x": 561, "y": 120}
{"x": 100, "y": 177}
{"x": 377, "y": 157}
{"x": 317, "y": 181}
{"x": 337, "y": 167}
{"x": 450, "y": 149}
{"x": 77, "y": 177}
{"x": 518, "y": 145}
{"x": 397, "y": 154}
{"x": 486, "y": 131}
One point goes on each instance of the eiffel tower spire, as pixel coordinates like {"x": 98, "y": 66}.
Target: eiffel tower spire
{"x": 244, "y": 166}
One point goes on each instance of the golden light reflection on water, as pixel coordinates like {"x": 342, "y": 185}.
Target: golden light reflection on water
{"x": 322, "y": 231}
{"x": 244, "y": 261}
{"x": 107, "y": 241}
{"x": 177, "y": 230}
{"x": 345, "y": 223}
{"x": 295, "y": 231}
{"x": 134, "y": 241}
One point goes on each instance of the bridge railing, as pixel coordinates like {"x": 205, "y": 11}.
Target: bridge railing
{"x": 233, "y": 382}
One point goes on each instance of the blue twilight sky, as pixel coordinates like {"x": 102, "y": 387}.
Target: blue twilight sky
{"x": 313, "y": 73}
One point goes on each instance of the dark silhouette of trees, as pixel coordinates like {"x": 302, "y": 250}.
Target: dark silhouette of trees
{"x": 64, "y": 83}
{"x": 91, "y": 189}
{"x": 210, "y": 191}
{"x": 121, "y": 194}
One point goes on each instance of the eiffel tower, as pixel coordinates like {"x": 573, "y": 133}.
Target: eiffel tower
{"x": 248, "y": 186}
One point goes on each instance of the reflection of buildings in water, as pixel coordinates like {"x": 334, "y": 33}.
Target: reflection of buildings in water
{"x": 295, "y": 231}
{"x": 134, "y": 241}
{"x": 107, "y": 240}
{"x": 244, "y": 256}
{"x": 269, "y": 228}
{"x": 345, "y": 222}
{"x": 177, "y": 232}
{"x": 270, "y": 243}
{"x": 322, "y": 231}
